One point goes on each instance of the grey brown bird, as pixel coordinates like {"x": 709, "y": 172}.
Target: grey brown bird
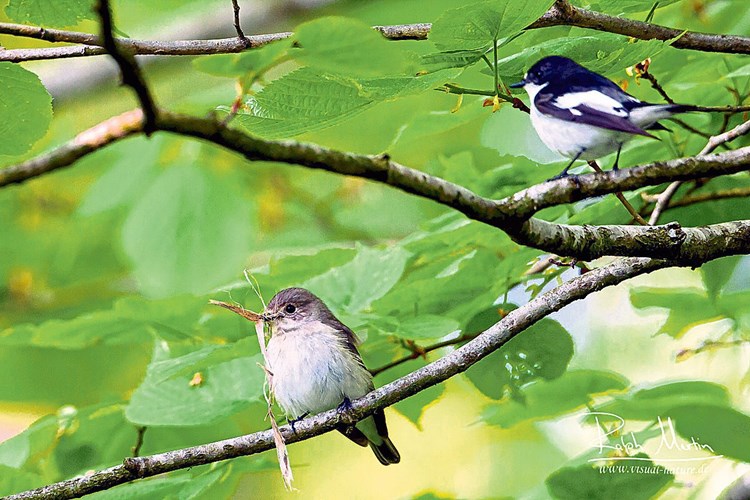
{"x": 316, "y": 367}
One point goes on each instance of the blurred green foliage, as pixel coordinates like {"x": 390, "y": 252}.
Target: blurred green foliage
{"x": 107, "y": 267}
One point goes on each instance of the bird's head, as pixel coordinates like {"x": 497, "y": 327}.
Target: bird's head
{"x": 549, "y": 70}
{"x": 293, "y": 307}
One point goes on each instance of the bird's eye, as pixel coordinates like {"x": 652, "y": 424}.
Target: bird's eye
{"x": 289, "y": 309}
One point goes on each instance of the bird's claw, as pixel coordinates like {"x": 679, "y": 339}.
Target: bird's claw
{"x": 293, "y": 421}
{"x": 345, "y": 405}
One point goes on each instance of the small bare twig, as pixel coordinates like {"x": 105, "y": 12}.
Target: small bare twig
{"x": 141, "y": 431}
{"x": 664, "y": 199}
{"x": 131, "y": 74}
{"x": 632, "y": 211}
{"x": 657, "y": 86}
{"x": 421, "y": 351}
{"x": 237, "y": 26}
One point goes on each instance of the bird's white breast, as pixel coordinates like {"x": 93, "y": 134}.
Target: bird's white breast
{"x": 570, "y": 138}
{"x": 313, "y": 370}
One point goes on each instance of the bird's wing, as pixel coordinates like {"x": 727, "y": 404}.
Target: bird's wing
{"x": 591, "y": 108}
{"x": 351, "y": 341}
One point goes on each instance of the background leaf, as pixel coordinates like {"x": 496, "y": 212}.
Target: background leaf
{"x": 19, "y": 131}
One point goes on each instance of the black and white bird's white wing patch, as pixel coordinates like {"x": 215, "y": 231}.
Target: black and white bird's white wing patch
{"x": 591, "y": 108}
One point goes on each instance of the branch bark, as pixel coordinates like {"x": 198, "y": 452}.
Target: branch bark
{"x": 512, "y": 214}
{"x": 129, "y": 70}
{"x": 438, "y": 371}
{"x": 560, "y": 14}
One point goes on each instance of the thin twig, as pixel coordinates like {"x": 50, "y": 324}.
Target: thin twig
{"x": 655, "y": 84}
{"x": 131, "y": 74}
{"x": 237, "y": 26}
{"x": 713, "y": 196}
{"x": 141, "y": 431}
{"x": 664, "y": 199}
{"x": 424, "y": 350}
{"x": 632, "y": 211}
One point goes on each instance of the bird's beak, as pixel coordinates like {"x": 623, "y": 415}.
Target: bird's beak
{"x": 267, "y": 316}
{"x": 518, "y": 85}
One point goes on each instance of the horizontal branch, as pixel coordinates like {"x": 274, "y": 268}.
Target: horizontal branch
{"x": 560, "y": 14}
{"x": 92, "y": 45}
{"x": 563, "y": 13}
{"x": 686, "y": 245}
{"x": 434, "y": 373}
{"x": 511, "y": 215}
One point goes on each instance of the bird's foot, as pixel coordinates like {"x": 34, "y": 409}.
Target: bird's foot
{"x": 293, "y": 421}
{"x": 561, "y": 175}
{"x": 345, "y": 405}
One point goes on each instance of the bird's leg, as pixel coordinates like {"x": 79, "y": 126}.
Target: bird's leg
{"x": 615, "y": 167}
{"x": 345, "y": 405}
{"x": 564, "y": 173}
{"x": 295, "y": 420}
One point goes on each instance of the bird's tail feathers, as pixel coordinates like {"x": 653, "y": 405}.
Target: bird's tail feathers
{"x": 386, "y": 452}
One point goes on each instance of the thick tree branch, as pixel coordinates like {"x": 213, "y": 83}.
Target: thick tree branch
{"x": 131, "y": 74}
{"x": 438, "y": 371}
{"x": 688, "y": 246}
{"x": 511, "y": 214}
{"x": 560, "y": 14}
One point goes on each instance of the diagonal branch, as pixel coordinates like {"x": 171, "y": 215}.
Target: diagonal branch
{"x": 662, "y": 202}
{"x": 131, "y": 74}
{"x": 436, "y": 372}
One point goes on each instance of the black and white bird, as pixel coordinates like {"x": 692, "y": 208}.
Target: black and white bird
{"x": 583, "y": 115}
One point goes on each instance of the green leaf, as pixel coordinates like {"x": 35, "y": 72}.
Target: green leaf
{"x": 449, "y": 59}
{"x": 353, "y": 286}
{"x": 348, "y": 46}
{"x": 650, "y": 403}
{"x": 166, "y": 397}
{"x": 511, "y": 133}
{"x": 622, "y": 6}
{"x": 25, "y": 109}
{"x": 302, "y": 101}
{"x": 15, "y": 481}
{"x": 687, "y": 307}
{"x": 603, "y": 53}
{"x": 717, "y": 273}
{"x": 188, "y": 233}
{"x": 307, "y": 99}
{"x": 57, "y": 14}
{"x": 426, "y": 327}
{"x": 131, "y": 320}
{"x": 248, "y": 64}
{"x": 542, "y": 351}
{"x": 546, "y": 399}
{"x": 126, "y": 179}
{"x": 475, "y": 26}
{"x": 717, "y": 429}
{"x": 414, "y": 406}
{"x": 639, "y": 480}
